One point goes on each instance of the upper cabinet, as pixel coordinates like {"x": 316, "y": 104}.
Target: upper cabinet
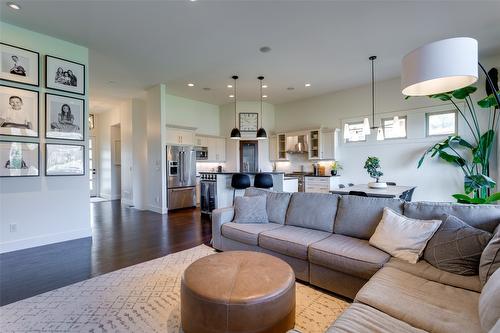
{"x": 277, "y": 147}
{"x": 179, "y": 136}
{"x": 323, "y": 144}
{"x": 216, "y": 147}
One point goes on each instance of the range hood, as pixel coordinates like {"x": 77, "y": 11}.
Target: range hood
{"x": 296, "y": 144}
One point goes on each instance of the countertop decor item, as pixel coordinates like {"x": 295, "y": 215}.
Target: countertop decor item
{"x": 235, "y": 132}
{"x": 444, "y": 70}
{"x": 372, "y": 166}
{"x": 261, "y": 133}
{"x": 335, "y": 168}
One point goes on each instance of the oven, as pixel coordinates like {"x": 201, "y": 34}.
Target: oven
{"x": 208, "y": 193}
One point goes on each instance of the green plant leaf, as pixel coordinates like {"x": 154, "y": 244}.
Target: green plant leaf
{"x": 457, "y": 139}
{"x": 481, "y": 153}
{"x": 493, "y": 198}
{"x": 452, "y": 158}
{"x": 463, "y": 92}
{"x": 477, "y": 182}
{"x": 488, "y": 102}
{"x": 407, "y": 97}
{"x": 442, "y": 96}
{"x": 462, "y": 198}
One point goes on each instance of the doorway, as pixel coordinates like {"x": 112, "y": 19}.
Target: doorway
{"x": 92, "y": 167}
{"x": 249, "y": 156}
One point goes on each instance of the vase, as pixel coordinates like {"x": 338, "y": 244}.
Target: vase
{"x": 333, "y": 172}
{"x": 377, "y": 185}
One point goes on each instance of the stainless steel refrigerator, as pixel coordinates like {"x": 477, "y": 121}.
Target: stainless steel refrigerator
{"x": 181, "y": 177}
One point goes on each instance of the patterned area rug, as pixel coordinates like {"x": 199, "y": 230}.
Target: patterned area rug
{"x": 140, "y": 298}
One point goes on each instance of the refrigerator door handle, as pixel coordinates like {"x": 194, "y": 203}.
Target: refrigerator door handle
{"x": 179, "y": 168}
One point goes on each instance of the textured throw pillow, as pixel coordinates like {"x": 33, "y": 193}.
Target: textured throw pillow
{"x": 250, "y": 209}
{"x": 277, "y": 203}
{"x": 490, "y": 259}
{"x": 403, "y": 237}
{"x": 456, "y": 247}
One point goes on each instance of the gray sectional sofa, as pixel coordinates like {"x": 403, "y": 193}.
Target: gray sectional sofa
{"x": 324, "y": 238}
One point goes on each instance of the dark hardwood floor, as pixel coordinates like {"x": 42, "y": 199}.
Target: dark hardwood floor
{"x": 122, "y": 237}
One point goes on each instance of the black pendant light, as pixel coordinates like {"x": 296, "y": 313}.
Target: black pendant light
{"x": 235, "y": 132}
{"x": 261, "y": 133}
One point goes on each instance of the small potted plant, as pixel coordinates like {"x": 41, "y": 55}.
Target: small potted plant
{"x": 372, "y": 166}
{"x": 336, "y": 167}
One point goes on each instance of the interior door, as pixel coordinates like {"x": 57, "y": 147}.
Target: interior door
{"x": 249, "y": 156}
{"x": 92, "y": 171}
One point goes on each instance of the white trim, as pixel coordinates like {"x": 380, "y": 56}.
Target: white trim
{"x": 44, "y": 240}
{"x": 157, "y": 209}
{"x": 110, "y": 197}
{"x": 127, "y": 202}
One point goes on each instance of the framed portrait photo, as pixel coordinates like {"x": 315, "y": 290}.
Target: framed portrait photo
{"x": 64, "y": 160}
{"x": 65, "y": 117}
{"x": 19, "y": 65}
{"x": 19, "y": 159}
{"x": 249, "y": 122}
{"x": 64, "y": 75}
{"x": 18, "y": 112}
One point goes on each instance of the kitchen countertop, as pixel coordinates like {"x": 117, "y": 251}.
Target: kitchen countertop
{"x": 307, "y": 175}
{"x": 247, "y": 173}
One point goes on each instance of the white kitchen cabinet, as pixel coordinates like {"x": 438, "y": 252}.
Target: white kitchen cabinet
{"x": 221, "y": 150}
{"x": 179, "y": 136}
{"x": 277, "y": 147}
{"x": 201, "y": 141}
{"x": 273, "y": 148}
{"x": 321, "y": 184}
{"x": 216, "y": 149}
{"x": 323, "y": 144}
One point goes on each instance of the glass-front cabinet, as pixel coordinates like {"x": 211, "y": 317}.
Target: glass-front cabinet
{"x": 314, "y": 144}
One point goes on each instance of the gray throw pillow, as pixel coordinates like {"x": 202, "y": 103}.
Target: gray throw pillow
{"x": 490, "y": 259}
{"x": 456, "y": 247}
{"x": 250, "y": 209}
{"x": 277, "y": 203}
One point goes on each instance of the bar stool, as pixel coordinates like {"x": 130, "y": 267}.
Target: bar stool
{"x": 239, "y": 181}
{"x": 263, "y": 180}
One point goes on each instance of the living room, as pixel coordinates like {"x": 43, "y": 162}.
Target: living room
{"x": 149, "y": 127}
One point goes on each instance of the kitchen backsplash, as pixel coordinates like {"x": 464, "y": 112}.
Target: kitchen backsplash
{"x": 296, "y": 161}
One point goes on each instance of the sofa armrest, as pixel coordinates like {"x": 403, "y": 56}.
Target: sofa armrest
{"x": 219, "y": 217}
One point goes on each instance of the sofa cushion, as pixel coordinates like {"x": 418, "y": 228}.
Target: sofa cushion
{"x": 485, "y": 217}
{"x": 277, "y": 203}
{"x": 312, "y": 210}
{"x": 361, "y": 318}
{"x": 456, "y": 247}
{"x": 490, "y": 258}
{"x": 489, "y": 303}
{"x": 425, "y": 270}
{"x": 403, "y": 237}
{"x": 348, "y": 255}
{"x": 425, "y": 304}
{"x": 292, "y": 241}
{"x": 250, "y": 210}
{"x": 359, "y": 216}
{"x": 247, "y": 233}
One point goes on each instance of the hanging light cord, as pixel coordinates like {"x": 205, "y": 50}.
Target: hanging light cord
{"x": 372, "y": 58}
{"x": 261, "y": 120}
{"x": 234, "y": 93}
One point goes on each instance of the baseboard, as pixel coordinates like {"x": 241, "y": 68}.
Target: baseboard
{"x": 110, "y": 197}
{"x": 44, "y": 240}
{"x": 157, "y": 209}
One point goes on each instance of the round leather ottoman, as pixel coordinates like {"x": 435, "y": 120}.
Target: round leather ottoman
{"x": 238, "y": 291}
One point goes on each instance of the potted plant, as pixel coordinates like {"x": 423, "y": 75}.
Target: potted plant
{"x": 336, "y": 167}
{"x": 372, "y": 166}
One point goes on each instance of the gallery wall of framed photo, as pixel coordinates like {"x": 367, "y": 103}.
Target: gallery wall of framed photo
{"x": 36, "y": 114}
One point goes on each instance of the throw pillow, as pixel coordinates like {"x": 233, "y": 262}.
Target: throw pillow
{"x": 250, "y": 209}
{"x": 277, "y": 203}
{"x": 403, "y": 237}
{"x": 490, "y": 259}
{"x": 456, "y": 247}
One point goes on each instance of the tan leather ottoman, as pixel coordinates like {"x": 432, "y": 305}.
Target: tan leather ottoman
{"x": 238, "y": 291}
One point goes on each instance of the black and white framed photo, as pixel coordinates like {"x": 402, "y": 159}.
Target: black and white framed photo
{"x": 64, "y": 160}
{"x": 18, "y": 112}
{"x": 64, "y": 117}
{"x": 249, "y": 122}
{"x": 19, "y": 159}
{"x": 19, "y": 65}
{"x": 64, "y": 75}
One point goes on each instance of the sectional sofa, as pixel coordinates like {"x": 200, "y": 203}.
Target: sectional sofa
{"x": 324, "y": 238}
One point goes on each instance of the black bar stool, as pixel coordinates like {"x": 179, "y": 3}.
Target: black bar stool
{"x": 239, "y": 181}
{"x": 263, "y": 180}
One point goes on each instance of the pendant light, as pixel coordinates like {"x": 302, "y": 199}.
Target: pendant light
{"x": 366, "y": 124}
{"x": 235, "y": 132}
{"x": 261, "y": 133}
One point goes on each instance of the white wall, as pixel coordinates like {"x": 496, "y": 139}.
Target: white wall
{"x": 139, "y": 153}
{"x": 435, "y": 181}
{"x": 45, "y": 209}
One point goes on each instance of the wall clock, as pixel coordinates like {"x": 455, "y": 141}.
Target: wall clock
{"x": 249, "y": 122}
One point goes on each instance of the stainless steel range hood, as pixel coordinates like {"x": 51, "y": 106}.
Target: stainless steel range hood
{"x": 296, "y": 144}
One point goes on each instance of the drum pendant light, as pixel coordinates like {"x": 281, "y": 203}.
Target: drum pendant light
{"x": 235, "y": 132}
{"x": 261, "y": 133}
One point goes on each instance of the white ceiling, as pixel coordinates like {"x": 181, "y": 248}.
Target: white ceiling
{"x": 137, "y": 44}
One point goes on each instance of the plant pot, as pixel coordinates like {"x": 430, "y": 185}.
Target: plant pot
{"x": 377, "y": 185}
{"x": 333, "y": 172}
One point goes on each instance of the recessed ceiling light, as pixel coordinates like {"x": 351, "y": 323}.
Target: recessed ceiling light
{"x": 190, "y": 84}
{"x": 264, "y": 86}
{"x": 231, "y": 96}
{"x": 264, "y": 96}
{"x": 207, "y": 88}
{"x": 307, "y": 84}
{"x": 265, "y": 49}
{"x": 290, "y": 88}
{"x": 13, "y": 5}
{"x": 229, "y": 85}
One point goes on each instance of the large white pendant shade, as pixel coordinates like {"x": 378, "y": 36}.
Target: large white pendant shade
{"x": 440, "y": 67}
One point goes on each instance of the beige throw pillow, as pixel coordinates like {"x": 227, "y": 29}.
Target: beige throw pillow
{"x": 403, "y": 237}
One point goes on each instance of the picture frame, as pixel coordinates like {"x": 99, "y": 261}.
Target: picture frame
{"x": 19, "y": 159}
{"x": 248, "y": 121}
{"x": 64, "y": 75}
{"x": 19, "y": 112}
{"x": 64, "y": 159}
{"x": 19, "y": 65}
{"x": 64, "y": 117}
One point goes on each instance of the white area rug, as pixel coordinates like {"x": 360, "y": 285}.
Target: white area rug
{"x": 140, "y": 298}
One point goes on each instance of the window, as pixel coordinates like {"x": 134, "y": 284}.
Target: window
{"x": 392, "y": 130}
{"x": 441, "y": 123}
{"x": 355, "y": 132}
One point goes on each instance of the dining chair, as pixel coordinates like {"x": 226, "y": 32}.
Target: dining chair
{"x": 350, "y": 184}
{"x": 391, "y": 183}
{"x": 341, "y": 186}
{"x": 407, "y": 196}
{"x": 358, "y": 193}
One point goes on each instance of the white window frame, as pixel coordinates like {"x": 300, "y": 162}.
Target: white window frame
{"x": 354, "y": 123}
{"x": 427, "y": 117}
{"x": 383, "y": 120}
